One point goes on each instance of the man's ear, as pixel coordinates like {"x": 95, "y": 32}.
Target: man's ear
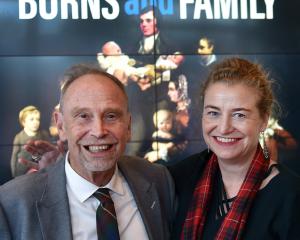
{"x": 58, "y": 116}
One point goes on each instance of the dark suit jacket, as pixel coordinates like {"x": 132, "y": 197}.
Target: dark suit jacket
{"x": 35, "y": 206}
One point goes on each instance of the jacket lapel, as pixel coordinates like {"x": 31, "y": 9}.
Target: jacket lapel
{"x": 53, "y": 207}
{"x": 146, "y": 198}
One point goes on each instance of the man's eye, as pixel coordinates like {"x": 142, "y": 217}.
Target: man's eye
{"x": 83, "y": 115}
{"x": 212, "y": 113}
{"x": 111, "y": 116}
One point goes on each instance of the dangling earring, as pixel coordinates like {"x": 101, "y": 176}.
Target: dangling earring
{"x": 207, "y": 148}
{"x": 265, "y": 149}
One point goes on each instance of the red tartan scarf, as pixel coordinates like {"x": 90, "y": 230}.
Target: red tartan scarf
{"x": 234, "y": 222}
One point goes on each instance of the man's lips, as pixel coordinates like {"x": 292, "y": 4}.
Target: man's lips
{"x": 98, "y": 148}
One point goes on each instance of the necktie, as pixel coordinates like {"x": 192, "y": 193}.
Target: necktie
{"x": 107, "y": 225}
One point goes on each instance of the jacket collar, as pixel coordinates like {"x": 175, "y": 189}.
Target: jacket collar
{"x": 53, "y": 207}
{"x": 146, "y": 197}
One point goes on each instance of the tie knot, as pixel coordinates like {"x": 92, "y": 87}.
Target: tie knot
{"x": 102, "y": 194}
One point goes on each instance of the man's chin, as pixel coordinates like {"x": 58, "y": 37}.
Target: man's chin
{"x": 100, "y": 167}
{"x": 147, "y": 35}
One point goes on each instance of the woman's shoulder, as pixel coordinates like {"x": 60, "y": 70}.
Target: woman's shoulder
{"x": 287, "y": 180}
{"x": 285, "y": 184}
{"x": 189, "y": 166}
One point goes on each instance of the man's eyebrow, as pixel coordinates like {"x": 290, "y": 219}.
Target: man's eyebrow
{"x": 211, "y": 106}
{"x": 78, "y": 109}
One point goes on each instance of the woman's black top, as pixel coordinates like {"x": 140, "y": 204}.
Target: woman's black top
{"x": 275, "y": 212}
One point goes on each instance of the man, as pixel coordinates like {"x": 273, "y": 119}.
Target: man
{"x": 152, "y": 41}
{"x": 58, "y": 202}
{"x": 205, "y": 51}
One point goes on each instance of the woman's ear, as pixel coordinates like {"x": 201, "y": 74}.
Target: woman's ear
{"x": 265, "y": 122}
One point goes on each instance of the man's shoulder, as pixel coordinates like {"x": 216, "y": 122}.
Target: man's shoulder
{"x": 22, "y": 187}
{"x": 194, "y": 161}
{"x": 138, "y": 163}
{"x": 138, "y": 169}
{"x": 29, "y": 184}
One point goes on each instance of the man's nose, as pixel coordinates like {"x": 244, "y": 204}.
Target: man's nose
{"x": 99, "y": 128}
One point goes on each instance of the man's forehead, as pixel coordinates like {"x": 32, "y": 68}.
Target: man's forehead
{"x": 93, "y": 78}
{"x": 92, "y": 86}
{"x": 147, "y": 15}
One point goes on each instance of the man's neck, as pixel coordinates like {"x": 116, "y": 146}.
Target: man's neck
{"x": 155, "y": 35}
{"x": 99, "y": 178}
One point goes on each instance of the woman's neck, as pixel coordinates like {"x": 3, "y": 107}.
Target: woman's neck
{"x": 233, "y": 175}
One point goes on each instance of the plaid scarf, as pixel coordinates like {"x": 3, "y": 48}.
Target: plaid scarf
{"x": 234, "y": 222}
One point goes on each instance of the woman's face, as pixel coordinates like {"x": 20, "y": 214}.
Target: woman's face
{"x": 32, "y": 121}
{"x": 231, "y": 121}
{"x": 173, "y": 92}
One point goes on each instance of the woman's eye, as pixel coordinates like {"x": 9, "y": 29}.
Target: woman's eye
{"x": 239, "y": 115}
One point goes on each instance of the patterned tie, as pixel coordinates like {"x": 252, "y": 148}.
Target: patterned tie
{"x": 107, "y": 225}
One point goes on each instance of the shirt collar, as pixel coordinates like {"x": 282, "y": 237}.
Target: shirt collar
{"x": 83, "y": 189}
{"x": 147, "y": 38}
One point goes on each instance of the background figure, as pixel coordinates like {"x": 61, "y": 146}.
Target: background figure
{"x": 53, "y": 128}
{"x": 178, "y": 94}
{"x": 113, "y": 61}
{"x": 153, "y": 41}
{"x": 162, "y": 137}
{"x": 205, "y": 51}
{"x": 202, "y": 64}
{"x": 168, "y": 67}
{"x": 277, "y": 139}
{"x": 29, "y": 118}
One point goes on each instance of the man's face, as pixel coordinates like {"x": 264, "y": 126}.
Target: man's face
{"x": 148, "y": 24}
{"x": 204, "y": 48}
{"x": 96, "y": 124}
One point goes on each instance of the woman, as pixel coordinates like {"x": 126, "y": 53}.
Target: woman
{"x": 232, "y": 190}
{"x": 177, "y": 92}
